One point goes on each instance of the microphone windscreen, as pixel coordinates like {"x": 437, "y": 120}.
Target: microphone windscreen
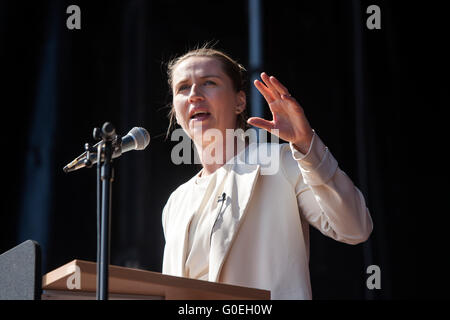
{"x": 141, "y": 137}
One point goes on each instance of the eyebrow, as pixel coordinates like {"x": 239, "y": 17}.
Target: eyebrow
{"x": 202, "y": 77}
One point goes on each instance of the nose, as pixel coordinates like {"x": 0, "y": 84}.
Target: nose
{"x": 195, "y": 94}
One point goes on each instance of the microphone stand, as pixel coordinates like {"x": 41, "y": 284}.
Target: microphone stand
{"x": 105, "y": 177}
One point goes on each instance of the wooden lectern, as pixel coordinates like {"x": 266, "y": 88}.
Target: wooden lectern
{"x": 78, "y": 280}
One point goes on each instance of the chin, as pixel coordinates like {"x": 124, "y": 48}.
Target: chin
{"x": 200, "y": 126}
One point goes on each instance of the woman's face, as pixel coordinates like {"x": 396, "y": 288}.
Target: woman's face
{"x": 204, "y": 96}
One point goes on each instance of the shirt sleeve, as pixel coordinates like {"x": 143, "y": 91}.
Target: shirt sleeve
{"x": 326, "y": 196}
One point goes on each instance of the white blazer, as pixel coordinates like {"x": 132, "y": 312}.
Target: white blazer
{"x": 261, "y": 237}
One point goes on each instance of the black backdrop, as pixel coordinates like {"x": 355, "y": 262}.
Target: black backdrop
{"x": 373, "y": 96}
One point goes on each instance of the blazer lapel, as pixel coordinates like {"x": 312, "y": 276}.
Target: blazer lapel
{"x": 184, "y": 238}
{"x": 178, "y": 241}
{"x": 233, "y": 210}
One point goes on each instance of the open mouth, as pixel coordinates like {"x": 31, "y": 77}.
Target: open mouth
{"x": 200, "y": 116}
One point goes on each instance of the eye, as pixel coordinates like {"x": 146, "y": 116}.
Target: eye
{"x": 183, "y": 87}
{"x": 210, "y": 83}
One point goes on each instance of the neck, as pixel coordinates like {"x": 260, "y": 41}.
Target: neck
{"x": 213, "y": 155}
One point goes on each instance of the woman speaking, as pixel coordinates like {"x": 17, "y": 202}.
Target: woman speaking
{"x": 233, "y": 222}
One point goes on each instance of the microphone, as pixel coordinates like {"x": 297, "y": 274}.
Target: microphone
{"x": 137, "y": 139}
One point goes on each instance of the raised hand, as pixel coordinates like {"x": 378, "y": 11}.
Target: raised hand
{"x": 288, "y": 116}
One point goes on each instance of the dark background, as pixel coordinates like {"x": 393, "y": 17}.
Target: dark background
{"x": 375, "y": 98}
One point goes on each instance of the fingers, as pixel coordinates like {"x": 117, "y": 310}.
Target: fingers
{"x": 272, "y": 89}
{"x": 269, "y": 84}
{"x": 264, "y": 91}
{"x": 279, "y": 87}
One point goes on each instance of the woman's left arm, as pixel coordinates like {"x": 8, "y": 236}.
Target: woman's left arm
{"x": 326, "y": 196}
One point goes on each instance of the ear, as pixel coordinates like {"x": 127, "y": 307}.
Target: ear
{"x": 241, "y": 102}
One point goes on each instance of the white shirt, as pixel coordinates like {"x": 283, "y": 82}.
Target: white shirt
{"x": 203, "y": 201}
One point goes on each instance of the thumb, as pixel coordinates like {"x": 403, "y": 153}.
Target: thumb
{"x": 260, "y": 123}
